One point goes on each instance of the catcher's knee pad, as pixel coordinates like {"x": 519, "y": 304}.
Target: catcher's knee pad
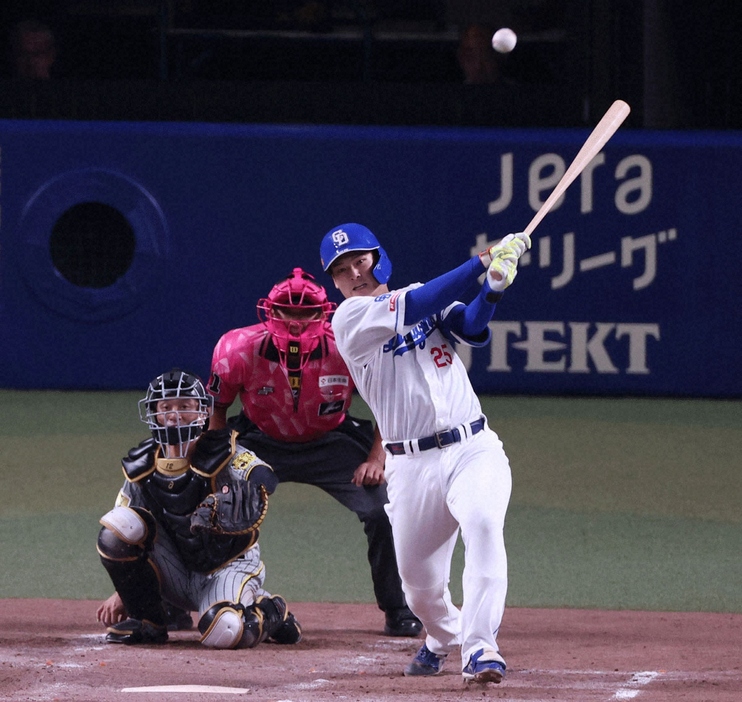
{"x": 127, "y": 533}
{"x": 229, "y": 625}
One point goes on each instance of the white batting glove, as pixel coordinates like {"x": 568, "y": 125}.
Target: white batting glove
{"x": 503, "y": 269}
{"x": 520, "y": 241}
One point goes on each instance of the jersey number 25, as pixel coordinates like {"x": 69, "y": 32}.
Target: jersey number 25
{"x": 441, "y": 357}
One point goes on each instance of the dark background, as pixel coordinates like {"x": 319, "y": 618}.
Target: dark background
{"x": 382, "y": 62}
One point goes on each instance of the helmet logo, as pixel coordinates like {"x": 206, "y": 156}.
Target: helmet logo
{"x": 339, "y": 238}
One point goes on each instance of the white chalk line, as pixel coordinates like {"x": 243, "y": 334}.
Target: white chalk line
{"x": 584, "y": 680}
{"x": 634, "y": 686}
{"x": 317, "y": 684}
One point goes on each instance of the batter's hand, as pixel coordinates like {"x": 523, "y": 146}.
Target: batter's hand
{"x": 520, "y": 243}
{"x": 369, "y": 473}
{"x": 112, "y": 611}
{"x": 502, "y": 271}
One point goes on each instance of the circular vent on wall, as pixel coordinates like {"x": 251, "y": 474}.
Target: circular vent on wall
{"x": 94, "y": 244}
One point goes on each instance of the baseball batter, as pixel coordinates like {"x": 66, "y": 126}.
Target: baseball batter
{"x": 295, "y": 393}
{"x": 184, "y": 528}
{"x": 446, "y": 470}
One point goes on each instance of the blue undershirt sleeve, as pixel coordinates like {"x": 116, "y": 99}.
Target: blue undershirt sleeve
{"x": 469, "y": 322}
{"x": 440, "y": 292}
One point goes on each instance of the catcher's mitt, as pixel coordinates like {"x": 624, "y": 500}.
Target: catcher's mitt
{"x": 238, "y": 509}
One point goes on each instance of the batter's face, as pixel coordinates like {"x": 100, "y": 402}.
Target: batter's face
{"x": 352, "y": 274}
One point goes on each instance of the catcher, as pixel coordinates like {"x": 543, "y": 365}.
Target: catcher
{"x": 184, "y": 529}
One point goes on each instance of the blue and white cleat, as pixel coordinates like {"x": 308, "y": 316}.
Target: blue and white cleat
{"x": 485, "y": 665}
{"x": 425, "y": 662}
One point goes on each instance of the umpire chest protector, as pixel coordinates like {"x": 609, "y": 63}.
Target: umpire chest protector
{"x": 295, "y": 406}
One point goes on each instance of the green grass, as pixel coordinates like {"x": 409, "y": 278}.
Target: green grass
{"x": 640, "y": 456}
{"x": 617, "y": 503}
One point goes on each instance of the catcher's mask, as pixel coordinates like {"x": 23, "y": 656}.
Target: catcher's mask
{"x": 170, "y": 425}
{"x": 297, "y": 314}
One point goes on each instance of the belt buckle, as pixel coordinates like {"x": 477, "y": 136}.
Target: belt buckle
{"x": 449, "y": 434}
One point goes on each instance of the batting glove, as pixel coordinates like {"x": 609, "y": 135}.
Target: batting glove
{"x": 520, "y": 241}
{"x": 503, "y": 269}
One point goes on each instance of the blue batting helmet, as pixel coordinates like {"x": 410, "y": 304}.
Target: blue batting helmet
{"x": 354, "y": 237}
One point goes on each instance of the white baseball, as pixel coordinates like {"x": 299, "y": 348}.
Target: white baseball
{"x": 504, "y": 40}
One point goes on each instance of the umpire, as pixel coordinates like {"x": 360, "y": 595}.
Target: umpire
{"x": 295, "y": 392}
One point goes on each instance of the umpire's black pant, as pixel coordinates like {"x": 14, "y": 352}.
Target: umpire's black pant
{"x": 329, "y": 463}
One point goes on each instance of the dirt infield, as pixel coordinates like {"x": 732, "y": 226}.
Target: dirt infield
{"x": 54, "y": 650}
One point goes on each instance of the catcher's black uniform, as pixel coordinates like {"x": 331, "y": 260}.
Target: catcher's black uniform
{"x": 187, "y": 532}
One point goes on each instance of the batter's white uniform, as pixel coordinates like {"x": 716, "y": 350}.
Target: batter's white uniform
{"x": 416, "y": 385}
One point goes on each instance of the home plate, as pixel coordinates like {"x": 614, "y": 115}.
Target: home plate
{"x": 208, "y": 689}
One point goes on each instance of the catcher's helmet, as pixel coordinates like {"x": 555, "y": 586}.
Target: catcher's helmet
{"x": 167, "y": 428}
{"x": 297, "y": 314}
{"x": 354, "y": 237}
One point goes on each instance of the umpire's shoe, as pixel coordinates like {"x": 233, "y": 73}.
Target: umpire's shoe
{"x": 402, "y": 622}
{"x": 135, "y": 631}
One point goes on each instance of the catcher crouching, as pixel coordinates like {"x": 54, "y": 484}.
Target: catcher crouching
{"x": 183, "y": 534}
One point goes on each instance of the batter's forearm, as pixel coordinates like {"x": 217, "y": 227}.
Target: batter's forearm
{"x": 479, "y": 312}
{"x": 440, "y": 292}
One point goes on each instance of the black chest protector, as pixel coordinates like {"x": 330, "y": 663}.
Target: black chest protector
{"x": 172, "y": 498}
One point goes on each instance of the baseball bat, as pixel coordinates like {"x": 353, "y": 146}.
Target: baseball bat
{"x": 604, "y": 130}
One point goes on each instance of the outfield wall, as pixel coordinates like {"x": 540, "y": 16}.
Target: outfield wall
{"x": 128, "y": 248}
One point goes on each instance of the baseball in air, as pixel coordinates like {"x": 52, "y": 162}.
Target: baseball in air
{"x": 504, "y": 40}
